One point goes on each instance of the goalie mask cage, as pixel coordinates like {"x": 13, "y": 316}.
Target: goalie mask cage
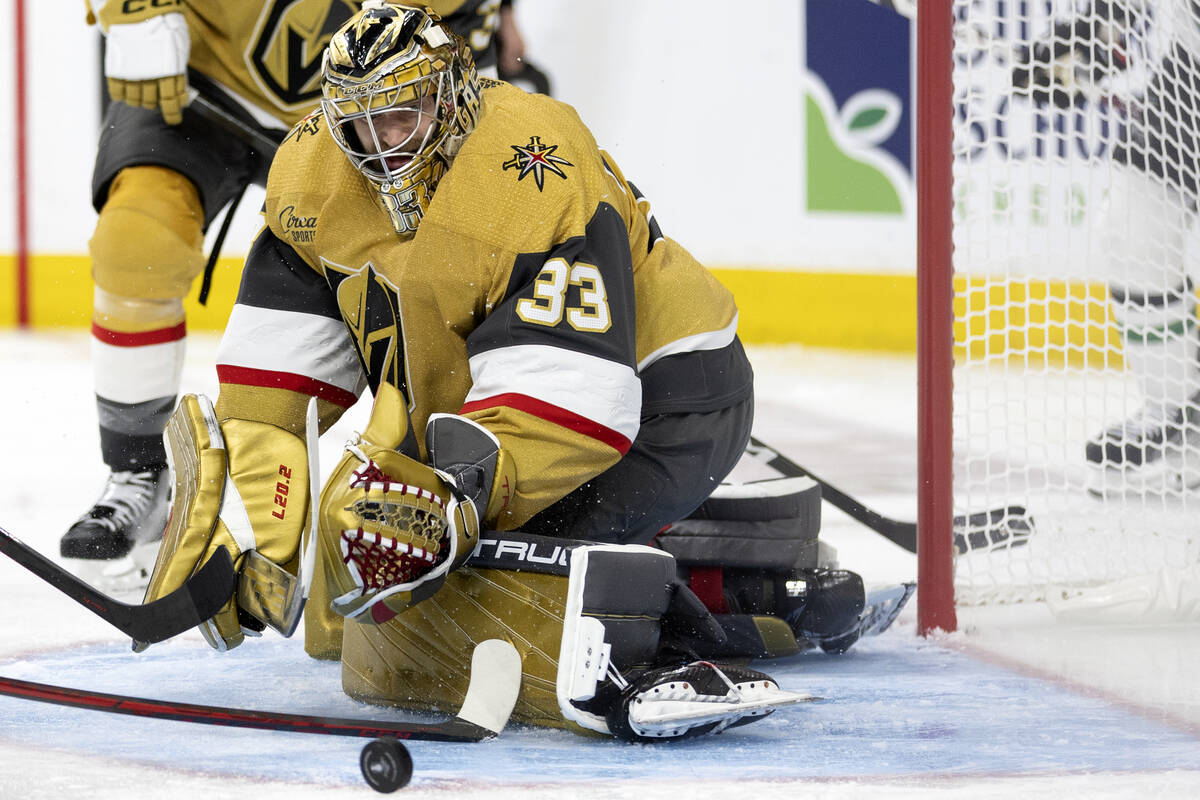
{"x": 1057, "y": 201}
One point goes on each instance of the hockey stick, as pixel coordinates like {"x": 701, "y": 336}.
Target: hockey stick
{"x": 491, "y": 695}
{"x": 1001, "y": 527}
{"x": 260, "y": 141}
{"x": 201, "y": 595}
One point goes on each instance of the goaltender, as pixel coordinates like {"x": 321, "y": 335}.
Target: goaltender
{"x": 555, "y": 382}
{"x": 166, "y": 165}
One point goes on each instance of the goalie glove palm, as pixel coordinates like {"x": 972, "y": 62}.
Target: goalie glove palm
{"x": 398, "y": 526}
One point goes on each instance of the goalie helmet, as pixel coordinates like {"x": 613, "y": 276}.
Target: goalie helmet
{"x": 400, "y": 95}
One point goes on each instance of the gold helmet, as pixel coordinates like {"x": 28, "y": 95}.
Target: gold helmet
{"x": 400, "y": 95}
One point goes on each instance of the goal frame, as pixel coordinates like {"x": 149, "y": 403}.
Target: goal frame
{"x": 935, "y": 316}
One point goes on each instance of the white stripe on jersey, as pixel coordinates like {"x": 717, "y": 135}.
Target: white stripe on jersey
{"x": 287, "y": 341}
{"x": 710, "y": 340}
{"x": 603, "y": 391}
{"x": 137, "y": 374}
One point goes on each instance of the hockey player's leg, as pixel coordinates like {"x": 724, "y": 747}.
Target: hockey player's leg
{"x": 655, "y": 700}
{"x": 751, "y": 554}
{"x": 1154, "y": 305}
{"x": 674, "y": 464}
{"x": 592, "y": 625}
{"x": 145, "y": 251}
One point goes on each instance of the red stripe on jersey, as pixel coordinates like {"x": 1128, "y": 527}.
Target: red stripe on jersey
{"x": 246, "y": 376}
{"x": 551, "y": 413}
{"x": 143, "y": 339}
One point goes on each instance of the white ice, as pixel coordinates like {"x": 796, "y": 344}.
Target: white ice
{"x": 1014, "y": 704}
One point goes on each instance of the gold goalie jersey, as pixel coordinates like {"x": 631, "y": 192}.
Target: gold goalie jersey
{"x": 267, "y": 53}
{"x": 537, "y": 297}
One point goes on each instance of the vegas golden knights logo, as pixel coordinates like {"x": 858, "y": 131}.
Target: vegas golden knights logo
{"x": 291, "y": 38}
{"x": 370, "y": 306}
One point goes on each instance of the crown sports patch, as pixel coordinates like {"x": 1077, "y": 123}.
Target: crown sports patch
{"x": 536, "y": 158}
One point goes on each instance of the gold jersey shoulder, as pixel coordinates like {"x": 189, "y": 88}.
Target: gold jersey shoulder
{"x": 529, "y": 179}
{"x": 311, "y": 181}
{"x": 269, "y": 53}
{"x": 530, "y": 175}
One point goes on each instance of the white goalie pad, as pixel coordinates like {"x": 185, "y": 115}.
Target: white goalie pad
{"x": 617, "y": 596}
{"x": 584, "y": 658}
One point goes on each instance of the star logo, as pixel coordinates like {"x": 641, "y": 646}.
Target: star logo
{"x": 536, "y": 158}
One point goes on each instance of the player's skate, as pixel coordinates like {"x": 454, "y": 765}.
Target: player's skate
{"x": 114, "y": 544}
{"x": 694, "y": 700}
{"x": 1156, "y": 450}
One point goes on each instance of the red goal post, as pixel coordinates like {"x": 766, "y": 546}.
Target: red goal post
{"x": 935, "y": 322}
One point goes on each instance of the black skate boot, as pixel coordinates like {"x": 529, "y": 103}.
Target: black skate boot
{"x": 821, "y": 606}
{"x": 116, "y": 540}
{"x": 1148, "y": 451}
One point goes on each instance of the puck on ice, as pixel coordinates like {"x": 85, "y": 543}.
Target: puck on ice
{"x": 386, "y": 765}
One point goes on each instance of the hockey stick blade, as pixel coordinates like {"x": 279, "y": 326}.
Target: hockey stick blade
{"x": 998, "y": 528}
{"x": 493, "y": 687}
{"x": 201, "y": 595}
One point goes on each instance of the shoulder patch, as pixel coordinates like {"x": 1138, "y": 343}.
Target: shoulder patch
{"x": 537, "y": 159}
{"x": 309, "y": 126}
{"x": 298, "y": 228}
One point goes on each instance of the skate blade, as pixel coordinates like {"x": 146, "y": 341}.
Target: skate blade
{"x": 127, "y": 575}
{"x": 667, "y": 714}
{"x": 1177, "y": 471}
{"x": 1163, "y": 478}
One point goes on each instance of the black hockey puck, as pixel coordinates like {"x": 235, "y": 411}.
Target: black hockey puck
{"x": 386, "y": 765}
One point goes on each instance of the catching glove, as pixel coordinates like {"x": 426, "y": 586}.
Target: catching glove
{"x": 146, "y": 57}
{"x": 399, "y": 526}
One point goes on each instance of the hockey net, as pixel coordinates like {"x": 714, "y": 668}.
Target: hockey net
{"x": 1076, "y": 360}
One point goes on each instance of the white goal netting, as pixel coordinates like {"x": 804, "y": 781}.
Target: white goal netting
{"x": 1077, "y": 354}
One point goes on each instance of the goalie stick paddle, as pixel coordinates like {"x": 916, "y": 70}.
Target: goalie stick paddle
{"x": 201, "y": 595}
{"x": 1010, "y": 526}
{"x": 491, "y": 695}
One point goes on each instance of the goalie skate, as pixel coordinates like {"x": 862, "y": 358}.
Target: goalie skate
{"x": 879, "y": 612}
{"x": 114, "y": 544}
{"x": 1155, "y": 450}
{"x": 696, "y": 699}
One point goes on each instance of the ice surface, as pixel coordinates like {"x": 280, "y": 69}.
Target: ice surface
{"x": 1016, "y": 705}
